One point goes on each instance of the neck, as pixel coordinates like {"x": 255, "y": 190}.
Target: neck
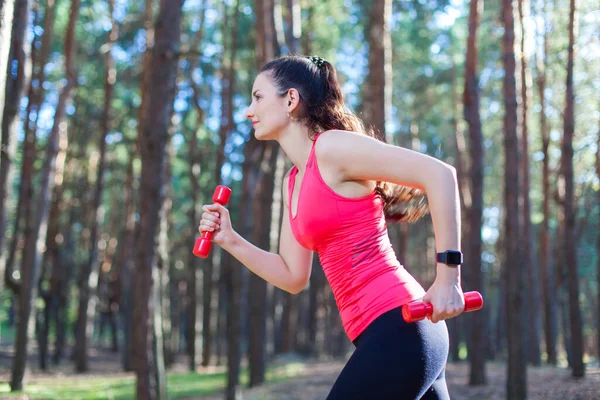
{"x": 296, "y": 144}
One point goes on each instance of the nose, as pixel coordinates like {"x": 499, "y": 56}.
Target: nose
{"x": 250, "y": 111}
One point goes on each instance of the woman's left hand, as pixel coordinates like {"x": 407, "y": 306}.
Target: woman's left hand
{"x": 446, "y": 297}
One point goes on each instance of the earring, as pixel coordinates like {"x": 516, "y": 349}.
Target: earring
{"x": 291, "y": 118}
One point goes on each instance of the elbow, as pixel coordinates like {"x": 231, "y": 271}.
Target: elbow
{"x": 441, "y": 176}
{"x": 448, "y": 173}
{"x": 450, "y": 169}
{"x": 297, "y": 288}
{"x": 453, "y": 170}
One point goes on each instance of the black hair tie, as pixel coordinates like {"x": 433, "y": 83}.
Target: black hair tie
{"x": 318, "y": 61}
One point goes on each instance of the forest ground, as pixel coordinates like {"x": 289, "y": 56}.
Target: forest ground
{"x": 544, "y": 383}
{"x": 314, "y": 379}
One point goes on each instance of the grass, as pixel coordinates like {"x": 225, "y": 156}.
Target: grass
{"x": 179, "y": 385}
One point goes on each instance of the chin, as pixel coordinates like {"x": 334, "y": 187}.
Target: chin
{"x": 259, "y": 135}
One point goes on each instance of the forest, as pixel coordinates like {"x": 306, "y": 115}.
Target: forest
{"x": 119, "y": 119}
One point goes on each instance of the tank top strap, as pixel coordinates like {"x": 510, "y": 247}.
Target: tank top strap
{"x": 292, "y": 179}
{"x": 312, "y": 156}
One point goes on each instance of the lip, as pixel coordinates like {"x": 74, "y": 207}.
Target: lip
{"x": 254, "y": 122}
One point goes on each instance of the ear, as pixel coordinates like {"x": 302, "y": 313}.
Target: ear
{"x": 292, "y": 100}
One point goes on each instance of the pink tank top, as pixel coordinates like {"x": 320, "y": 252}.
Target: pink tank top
{"x": 351, "y": 238}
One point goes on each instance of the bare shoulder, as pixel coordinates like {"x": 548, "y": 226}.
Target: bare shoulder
{"x": 337, "y": 138}
{"x": 334, "y": 142}
{"x": 358, "y": 157}
{"x": 336, "y": 148}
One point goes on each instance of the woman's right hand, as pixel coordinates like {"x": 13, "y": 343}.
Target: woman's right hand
{"x": 216, "y": 219}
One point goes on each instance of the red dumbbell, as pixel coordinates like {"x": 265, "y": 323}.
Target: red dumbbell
{"x": 417, "y": 311}
{"x": 203, "y": 243}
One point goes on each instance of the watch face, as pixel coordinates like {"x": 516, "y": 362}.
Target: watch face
{"x": 453, "y": 257}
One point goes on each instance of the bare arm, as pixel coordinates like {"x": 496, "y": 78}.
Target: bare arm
{"x": 358, "y": 157}
{"x": 289, "y": 270}
{"x": 361, "y": 158}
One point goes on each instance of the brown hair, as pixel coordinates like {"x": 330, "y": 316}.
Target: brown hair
{"x": 323, "y": 108}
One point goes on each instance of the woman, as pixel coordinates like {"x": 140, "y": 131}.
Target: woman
{"x": 336, "y": 202}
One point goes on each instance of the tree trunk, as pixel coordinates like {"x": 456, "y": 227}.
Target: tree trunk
{"x": 578, "y": 366}
{"x": 14, "y": 50}
{"x": 529, "y": 264}
{"x": 126, "y": 260}
{"x": 257, "y": 301}
{"x": 51, "y": 257}
{"x": 461, "y": 164}
{"x": 546, "y": 265}
{"x": 191, "y": 287}
{"x": 63, "y": 274}
{"x": 194, "y": 173}
{"x": 377, "y": 101}
{"x": 158, "y": 369}
{"x": 500, "y": 332}
{"x": 310, "y": 29}
{"x": 35, "y": 97}
{"x": 262, "y": 199}
{"x": 234, "y": 286}
{"x": 293, "y": 33}
{"x": 87, "y": 292}
{"x": 164, "y": 250}
{"x": 147, "y": 348}
{"x": 476, "y": 343}
{"x": 289, "y": 314}
{"x": 213, "y": 265}
{"x": 515, "y": 285}
{"x": 6, "y": 23}
{"x": 35, "y": 239}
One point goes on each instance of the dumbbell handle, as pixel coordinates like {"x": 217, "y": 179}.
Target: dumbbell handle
{"x": 417, "y": 311}
{"x": 203, "y": 244}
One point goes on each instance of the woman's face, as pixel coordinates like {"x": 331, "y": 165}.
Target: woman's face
{"x": 268, "y": 110}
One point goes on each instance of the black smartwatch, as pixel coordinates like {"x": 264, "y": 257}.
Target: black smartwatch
{"x": 451, "y": 258}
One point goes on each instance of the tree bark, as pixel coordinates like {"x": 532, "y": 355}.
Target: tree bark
{"x": 377, "y": 103}
{"x": 461, "y": 165}
{"x": 63, "y": 273}
{"x": 13, "y": 20}
{"x": 168, "y": 321}
{"x": 578, "y": 366}
{"x": 546, "y": 265}
{"x": 476, "y": 343}
{"x": 293, "y": 33}
{"x": 262, "y": 199}
{"x": 515, "y": 274}
{"x": 194, "y": 173}
{"x": 52, "y": 256}
{"x": 36, "y": 239}
{"x": 290, "y": 303}
{"x": 6, "y": 23}
{"x": 148, "y": 364}
{"x": 125, "y": 259}
{"x": 35, "y": 97}
{"x": 529, "y": 264}
{"x": 257, "y": 301}
{"x": 213, "y": 264}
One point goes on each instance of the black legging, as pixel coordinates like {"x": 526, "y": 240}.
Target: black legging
{"x": 396, "y": 360}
